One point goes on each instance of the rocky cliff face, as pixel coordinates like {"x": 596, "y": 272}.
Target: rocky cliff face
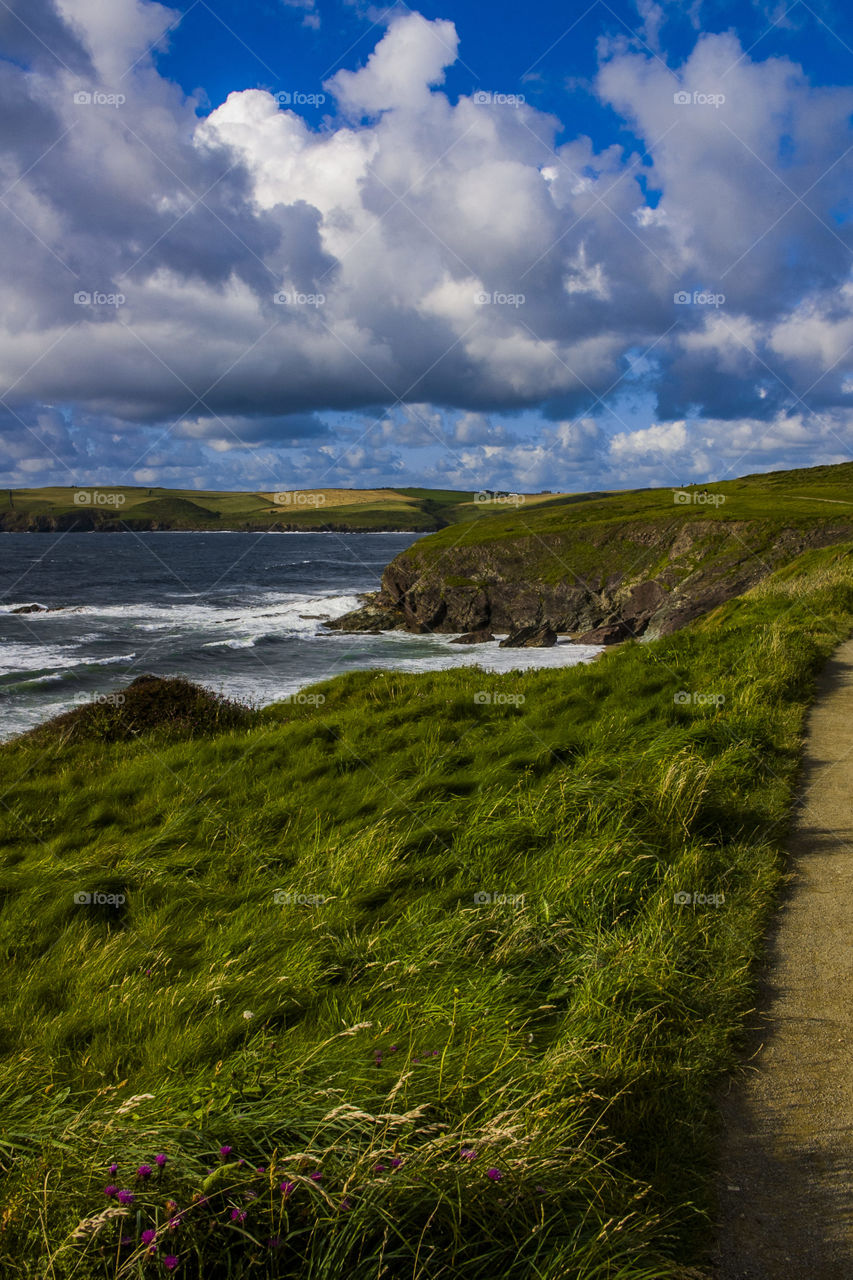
{"x": 599, "y": 583}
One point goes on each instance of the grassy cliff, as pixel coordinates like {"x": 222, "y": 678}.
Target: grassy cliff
{"x": 635, "y": 563}
{"x": 421, "y": 976}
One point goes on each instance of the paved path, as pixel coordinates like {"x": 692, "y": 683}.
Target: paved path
{"x": 786, "y": 1183}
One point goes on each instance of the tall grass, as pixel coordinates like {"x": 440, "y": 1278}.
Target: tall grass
{"x": 430, "y": 946}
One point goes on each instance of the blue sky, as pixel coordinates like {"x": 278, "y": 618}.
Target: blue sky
{"x": 305, "y": 243}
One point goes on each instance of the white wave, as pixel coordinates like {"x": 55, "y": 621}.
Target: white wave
{"x": 21, "y": 658}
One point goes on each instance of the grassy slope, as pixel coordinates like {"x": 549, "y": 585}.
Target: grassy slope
{"x": 191, "y": 508}
{"x": 570, "y": 1041}
{"x": 579, "y": 533}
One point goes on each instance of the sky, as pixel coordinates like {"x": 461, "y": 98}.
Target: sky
{"x": 320, "y": 243}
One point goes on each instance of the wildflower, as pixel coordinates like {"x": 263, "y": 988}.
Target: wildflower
{"x": 274, "y": 1242}
{"x": 176, "y": 1222}
{"x": 436, "y": 1053}
{"x": 170, "y": 1262}
{"x": 260, "y": 1169}
{"x": 377, "y": 1057}
{"x": 416, "y": 1060}
{"x": 494, "y": 1174}
{"x": 345, "y": 1204}
{"x": 286, "y": 1188}
{"x": 126, "y": 1197}
{"x": 144, "y": 1171}
{"x": 467, "y": 1154}
{"x": 247, "y": 1014}
{"x": 160, "y": 1160}
{"x": 125, "y": 1241}
{"x": 225, "y": 1152}
{"x": 113, "y": 1168}
{"x": 238, "y": 1215}
{"x": 393, "y": 1049}
{"x": 110, "y": 1191}
{"x": 396, "y": 1162}
{"x": 379, "y": 1168}
{"x": 149, "y": 1236}
{"x": 171, "y": 1207}
{"x": 316, "y": 1176}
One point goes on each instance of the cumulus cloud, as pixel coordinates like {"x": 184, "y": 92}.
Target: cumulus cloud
{"x": 221, "y": 284}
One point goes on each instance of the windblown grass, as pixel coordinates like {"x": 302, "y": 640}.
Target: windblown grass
{"x": 298, "y": 964}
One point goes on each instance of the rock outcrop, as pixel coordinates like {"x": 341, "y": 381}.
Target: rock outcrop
{"x": 530, "y": 638}
{"x": 599, "y": 583}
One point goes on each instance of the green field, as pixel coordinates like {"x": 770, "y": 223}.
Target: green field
{"x": 135, "y": 507}
{"x": 293, "y": 990}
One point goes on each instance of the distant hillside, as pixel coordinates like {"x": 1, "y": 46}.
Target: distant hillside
{"x": 121, "y": 507}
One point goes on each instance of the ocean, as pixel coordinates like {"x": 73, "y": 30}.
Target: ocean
{"x": 238, "y": 612}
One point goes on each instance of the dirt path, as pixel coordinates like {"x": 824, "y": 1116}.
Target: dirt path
{"x": 786, "y": 1182}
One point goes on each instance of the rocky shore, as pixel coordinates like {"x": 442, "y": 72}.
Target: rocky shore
{"x": 599, "y": 584}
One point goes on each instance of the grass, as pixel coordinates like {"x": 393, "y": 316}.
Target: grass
{"x": 288, "y": 953}
{"x": 136, "y": 507}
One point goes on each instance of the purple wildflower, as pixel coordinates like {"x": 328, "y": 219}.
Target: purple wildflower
{"x": 160, "y": 1160}
{"x": 396, "y": 1162}
{"x": 144, "y": 1171}
{"x": 379, "y": 1168}
{"x": 260, "y": 1169}
{"x": 286, "y": 1188}
{"x": 176, "y": 1222}
{"x": 110, "y": 1191}
{"x": 149, "y": 1236}
{"x": 125, "y": 1241}
{"x": 238, "y": 1215}
{"x": 125, "y": 1197}
{"x": 113, "y": 1168}
{"x": 494, "y": 1174}
{"x": 316, "y": 1176}
{"x": 274, "y": 1242}
{"x": 170, "y": 1262}
{"x": 467, "y": 1154}
{"x": 225, "y": 1152}
{"x": 393, "y": 1049}
{"x": 345, "y": 1204}
{"x": 171, "y": 1206}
